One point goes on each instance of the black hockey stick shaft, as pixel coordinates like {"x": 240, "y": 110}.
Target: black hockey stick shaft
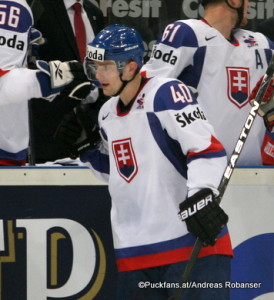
{"x": 229, "y": 169}
{"x": 31, "y": 150}
{"x": 37, "y": 10}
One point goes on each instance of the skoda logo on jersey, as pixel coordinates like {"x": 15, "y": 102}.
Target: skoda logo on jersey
{"x": 238, "y": 85}
{"x": 167, "y": 57}
{"x": 12, "y": 42}
{"x": 125, "y": 159}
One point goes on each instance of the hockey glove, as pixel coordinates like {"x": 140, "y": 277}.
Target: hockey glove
{"x": 78, "y": 91}
{"x": 63, "y": 73}
{"x": 79, "y": 130}
{"x": 80, "y": 87}
{"x": 67, "y": 78}
{"x": 266, "y": 109}
{"x": 203, "y": 216}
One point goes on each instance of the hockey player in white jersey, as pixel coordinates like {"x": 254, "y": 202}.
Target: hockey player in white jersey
{"x": 18, "y": 84}
{"x": 224, "y": 63}
{"x": 157, "y": 149}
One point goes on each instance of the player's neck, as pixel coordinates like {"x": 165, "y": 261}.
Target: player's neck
{"x": 131, "y": 90}
{"x": 222, "y": 20}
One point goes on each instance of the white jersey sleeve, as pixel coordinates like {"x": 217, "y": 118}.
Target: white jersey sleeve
{"x": 182, "y": 118}
{"x": 19, "y": 85}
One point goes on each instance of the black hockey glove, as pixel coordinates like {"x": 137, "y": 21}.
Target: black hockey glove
{"x": 80, "y": 87}
{"x": 79, "y": 129}
{"x": 203, "y": 216}
{"x": 69, "y": 75}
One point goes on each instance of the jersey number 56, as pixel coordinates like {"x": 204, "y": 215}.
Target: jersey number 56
{"x": 9, "y": 15}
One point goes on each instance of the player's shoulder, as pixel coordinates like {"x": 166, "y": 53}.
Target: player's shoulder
{"x": 192, "y": 23}
{"x": 195, "y": 24}
{"x": 252, "y": 39}
{"x": 188, "y": 33}
{"x": 23, "y": 23}
{"x": 181, "y": 33}
{"x": 169, "y": 94}
{"x": 19, "y": 2}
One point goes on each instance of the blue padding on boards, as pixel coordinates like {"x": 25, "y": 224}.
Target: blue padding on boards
{"x": 253, "y": 263}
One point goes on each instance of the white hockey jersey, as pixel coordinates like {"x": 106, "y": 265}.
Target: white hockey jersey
{"x": 152, "y": 156}
{"x": 223, "y": 72}
{"x": 17, "y": 86}
{"x": 17, "y": 83}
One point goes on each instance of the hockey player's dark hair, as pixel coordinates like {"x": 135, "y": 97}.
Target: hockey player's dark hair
{"x": 206, "y": 2}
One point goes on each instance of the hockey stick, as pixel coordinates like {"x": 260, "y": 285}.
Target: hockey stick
{"x": 37, "y": 10}
{"x": 229, "y": 169}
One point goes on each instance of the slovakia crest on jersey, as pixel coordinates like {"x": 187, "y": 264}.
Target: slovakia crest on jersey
{"x": 125, "y": 159}
{"x": 238, "y": 85}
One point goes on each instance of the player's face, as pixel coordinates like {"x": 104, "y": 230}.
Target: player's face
{"x": 108, "y": 76}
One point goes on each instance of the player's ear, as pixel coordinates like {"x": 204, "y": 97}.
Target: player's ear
{"x": 131, "y": 68}
{"x": 235, "y": 3}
